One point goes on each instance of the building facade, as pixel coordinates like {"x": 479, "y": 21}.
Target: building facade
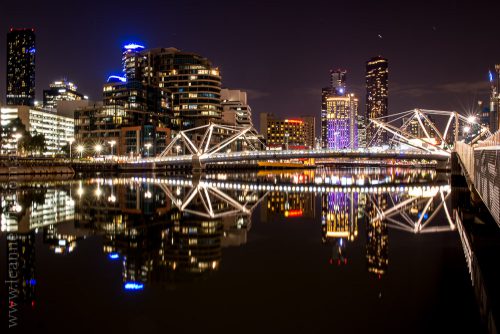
{"x": 160, "y": 89}
{"x": 192, "y": 84}
{"x": 285, "y": 134}
{"x": 21, "y": 67}
{"x": 235, "y": 109}
{"x": 494, "y": 110}
{"x": 61, "y": 90}
{"x": 377, "y": 73}
{"x": 57, "y": 130}
{"x": 341, "y": 122}
{"x": 339, "y": 114}
{"x": 112, "y": 127}
{"x": 338, "y": 80}
{"x": 309, "y": 130}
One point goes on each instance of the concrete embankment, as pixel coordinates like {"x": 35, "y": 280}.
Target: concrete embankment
{"x": 14, "y": 170}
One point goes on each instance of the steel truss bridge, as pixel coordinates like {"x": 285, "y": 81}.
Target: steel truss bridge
{"x": 215, "y": 143}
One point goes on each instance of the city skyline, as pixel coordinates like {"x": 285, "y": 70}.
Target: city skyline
{"x": 422, "y": 50}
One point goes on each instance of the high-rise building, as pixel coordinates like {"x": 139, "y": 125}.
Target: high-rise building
{"x": 412, "y": 126}
{"x": 21, "y": 67}
{"x": 377, "y": 71}
{"x": 361, "y": 124}
{"x": 484, "y": 114}
{"x": 309, "y": 130}
{"x": 338, "y": 82}
{"x": 339, "y": 114}
{"x": 325, "y": 93}
{"x": 494, "y": 112}
{"x": 61, "y": 90}
{"x": 235, "y": 109}
{"x": 191, "y": 83}
{"x": 263, "y": 117}
{"x": 341, "y": 122}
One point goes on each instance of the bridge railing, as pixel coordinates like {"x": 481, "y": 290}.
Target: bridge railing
{"x": 466, "y": 154}
{"x": 493, "y": 140}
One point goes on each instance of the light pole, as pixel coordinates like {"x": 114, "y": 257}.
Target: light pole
{"x": 112, "y": 143}
{"x": 70, "y": 141}
{"x": 148, "y": 145}
{"x": 80, "y": 149}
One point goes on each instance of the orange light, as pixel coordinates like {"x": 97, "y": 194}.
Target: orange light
{"x": 293, "y": 213}
{"x": 297, "y": 121}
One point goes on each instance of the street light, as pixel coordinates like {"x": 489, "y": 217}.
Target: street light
{"x": 98, "y": 149}
{"x": 80, "y": 149}
{"x": 70, "y": 141}
{"x": 466, "y": 129}
{"x": 112, "y": 143}
{"x": 148, "y": 145}
{"x": 471, "y": 119}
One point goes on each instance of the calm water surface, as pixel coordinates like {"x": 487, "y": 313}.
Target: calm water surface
{"x": 334, "y": 250}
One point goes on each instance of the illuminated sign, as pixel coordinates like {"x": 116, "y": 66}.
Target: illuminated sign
{"x": 133, "y": 46}
{"x": 293, "y": 213}
{"x": 133, "y": 286}
{"x": 114, "y": 256}
{"x": 297, "y": 121}
{"x": 116, "y": 78}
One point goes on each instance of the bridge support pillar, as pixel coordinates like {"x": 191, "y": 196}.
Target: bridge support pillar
{"x": 197, "y": 166}
{"x": 457, "y": 177}
{"x": 443, "y": 165}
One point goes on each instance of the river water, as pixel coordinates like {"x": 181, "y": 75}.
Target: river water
{"x": 351, "y": 250}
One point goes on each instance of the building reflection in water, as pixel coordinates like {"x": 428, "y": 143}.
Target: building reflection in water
{"x": 20, "y": 273}
{"x": 162, "y": 231}
{"x": 339, "y": 222}
{"x": 172, "y": 229}
{"x": 377, "y": 237}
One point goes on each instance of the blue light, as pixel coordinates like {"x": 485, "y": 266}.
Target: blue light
{"x": 114, "y": 256}
{"x": 32, "y": 50}
{"x": 491, "y": 76}
{"x": 31, "y": 281}
{"x": 341, "y": 90}
{"x": 116, "y": 78}
{"x": 133, "y": 46}
{"x": 133, "y": 286}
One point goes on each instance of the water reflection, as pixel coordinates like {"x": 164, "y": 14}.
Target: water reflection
{"x": 168, "y": 229}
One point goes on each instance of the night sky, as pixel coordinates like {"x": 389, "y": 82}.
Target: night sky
{"x": 279, "y": 51}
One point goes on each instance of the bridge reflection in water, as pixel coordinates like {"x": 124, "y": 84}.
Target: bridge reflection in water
{"x": 170, "y": 227}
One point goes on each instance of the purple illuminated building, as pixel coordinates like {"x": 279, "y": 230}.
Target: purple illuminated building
{"x": 339, "y": 114}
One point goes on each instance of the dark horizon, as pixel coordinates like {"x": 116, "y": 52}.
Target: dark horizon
{"x": 280, "y": 53}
